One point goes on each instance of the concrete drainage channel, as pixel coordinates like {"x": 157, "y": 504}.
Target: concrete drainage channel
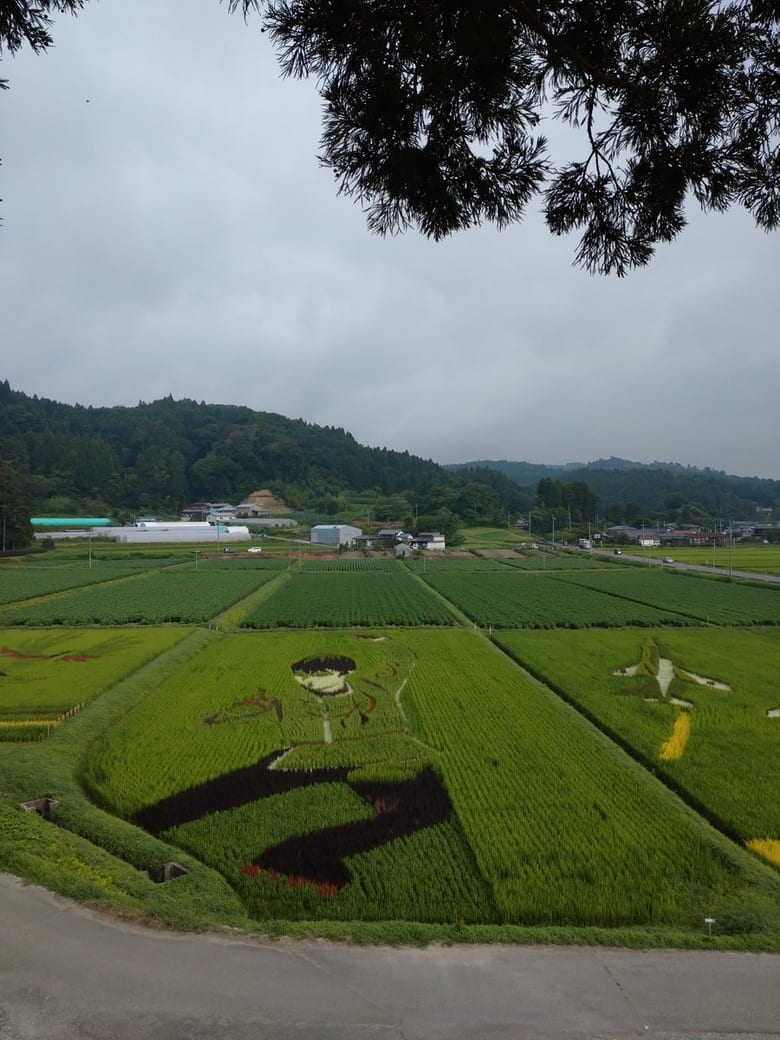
{"x": 45, "y": 808}
{"x": 167, "y": 872}
{"x": 42, "y": 806}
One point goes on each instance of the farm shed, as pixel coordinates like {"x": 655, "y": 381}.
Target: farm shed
{"x": 430, "y": 541}
{"x": 334, "y": 534}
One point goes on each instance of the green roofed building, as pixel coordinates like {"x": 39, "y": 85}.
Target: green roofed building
{"x": 70, "y": 521}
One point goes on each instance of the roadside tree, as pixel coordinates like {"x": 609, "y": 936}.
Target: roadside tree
{"x": 15, "y": 509}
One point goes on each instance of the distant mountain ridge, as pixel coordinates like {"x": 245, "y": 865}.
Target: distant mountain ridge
{"x": 653, "y": 487}
{"x": 530, "y": 471}
{"x": 167, "y": 453}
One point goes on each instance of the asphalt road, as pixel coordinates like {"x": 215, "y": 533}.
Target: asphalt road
{"x": 67, "y": 974}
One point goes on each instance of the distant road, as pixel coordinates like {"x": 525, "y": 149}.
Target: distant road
{"x": 67, "y": 974}
{"x": 656, "y": 563}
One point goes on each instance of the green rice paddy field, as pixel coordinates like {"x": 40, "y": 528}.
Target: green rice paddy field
{"x": 760, "y": 559}
{"x": 472, "y": 749}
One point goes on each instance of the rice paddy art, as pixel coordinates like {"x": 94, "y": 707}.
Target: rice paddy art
{"x": 396, "y": 808}
{"x": 47, "y": 677}
{"x": 664, "y": 671}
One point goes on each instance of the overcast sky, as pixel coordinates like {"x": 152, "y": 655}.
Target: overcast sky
{"x": 167, "y": 230}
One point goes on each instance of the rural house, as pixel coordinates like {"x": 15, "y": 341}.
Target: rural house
{"x": 432, "y": 541}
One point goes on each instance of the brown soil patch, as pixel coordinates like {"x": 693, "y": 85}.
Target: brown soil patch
{"x": 265, "y": 500}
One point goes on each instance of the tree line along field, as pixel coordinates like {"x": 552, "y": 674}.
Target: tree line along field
{"x": 329, "y": 767}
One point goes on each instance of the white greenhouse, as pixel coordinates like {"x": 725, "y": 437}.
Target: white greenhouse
{"x": 181, "y": 532}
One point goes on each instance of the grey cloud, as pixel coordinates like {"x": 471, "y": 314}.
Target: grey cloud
{"x": 174, "y": 234}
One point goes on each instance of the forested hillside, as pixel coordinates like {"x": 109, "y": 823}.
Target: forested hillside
{"x": 161, "y": 455}
{"x": 168, "y": 452}
{"x": 625, "y": 489}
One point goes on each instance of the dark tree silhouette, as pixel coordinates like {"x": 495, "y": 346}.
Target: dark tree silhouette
{"x": 15, "y": 528}
{"x": 29, "y": 22}
{"x": 431, "y": 109}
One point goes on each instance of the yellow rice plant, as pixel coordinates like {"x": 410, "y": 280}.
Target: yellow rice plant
{"x": 673, "y": 748}
{"x": 10, "y": 724}
{"x": 23, "y": 731}
{"x": 766, "y": 847}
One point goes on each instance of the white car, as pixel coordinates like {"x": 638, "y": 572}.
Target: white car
{"x": 254, "y": 549}
{"x": 668, "y": 559}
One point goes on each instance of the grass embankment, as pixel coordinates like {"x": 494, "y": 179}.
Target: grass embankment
{"x": 92, "y": 855}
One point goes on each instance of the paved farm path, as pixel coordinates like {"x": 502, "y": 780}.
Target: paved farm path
{"x": 68, "y": 974}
